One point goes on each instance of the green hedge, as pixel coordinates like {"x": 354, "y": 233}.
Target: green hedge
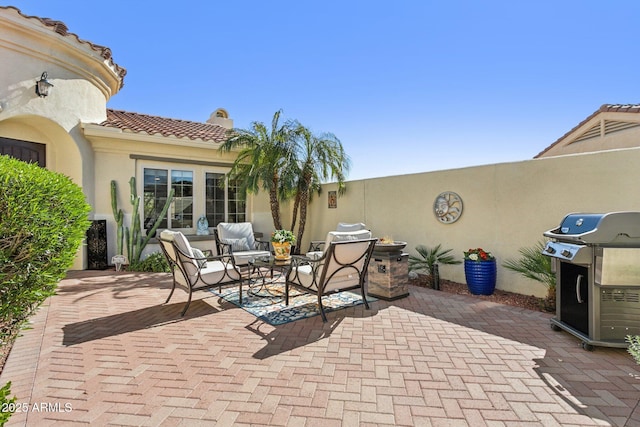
{"x": 43, "y": 220}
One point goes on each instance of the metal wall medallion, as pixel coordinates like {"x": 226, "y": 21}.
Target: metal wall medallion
{"x": 447, "y": 207}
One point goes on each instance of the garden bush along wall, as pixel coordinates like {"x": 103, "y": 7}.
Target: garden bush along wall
{"x": 43, "y": 219}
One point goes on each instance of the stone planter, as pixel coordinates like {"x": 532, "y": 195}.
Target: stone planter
{"x": 480, "y": 276}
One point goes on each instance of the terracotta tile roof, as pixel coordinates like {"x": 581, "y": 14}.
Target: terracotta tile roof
{"x": 60, "y": 28}
{"x": 152, "y": 125}
{"x": 605, "y": 108}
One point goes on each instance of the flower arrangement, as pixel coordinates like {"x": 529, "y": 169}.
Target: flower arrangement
{"x": 283, "y": 236}
{"x": 478, "y": 254}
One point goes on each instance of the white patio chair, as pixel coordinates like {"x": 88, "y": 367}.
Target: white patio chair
{"x": 193, "y": 270}
{"x": 343, "y": 266}
{"x": 237, "y": 239}
{"x": 317, "y": 245}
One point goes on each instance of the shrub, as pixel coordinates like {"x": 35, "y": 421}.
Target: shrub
{"x": 6, "y": 403}
{"x": 428, "y": 258}
{"x": 634, "y": 347}
{"x": 154, "y": 263}
{"x": 43, "y": 219}
{"x": 533, "y": 265}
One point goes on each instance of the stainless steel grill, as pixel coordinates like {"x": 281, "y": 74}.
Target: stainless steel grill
{"x": 596, "y": 258}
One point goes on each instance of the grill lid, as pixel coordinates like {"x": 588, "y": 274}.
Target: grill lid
{"x": 615, "y": 228}
{"x": 579, "y": 223}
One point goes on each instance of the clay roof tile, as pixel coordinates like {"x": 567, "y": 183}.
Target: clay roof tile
{"x": 152, "y": 125}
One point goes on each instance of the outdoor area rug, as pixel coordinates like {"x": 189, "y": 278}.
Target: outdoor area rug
{"x": 267, "y": 302}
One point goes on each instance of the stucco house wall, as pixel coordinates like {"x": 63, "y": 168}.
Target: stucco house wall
{"x": 84, "y": 78}
{"x": 122, "y": 155}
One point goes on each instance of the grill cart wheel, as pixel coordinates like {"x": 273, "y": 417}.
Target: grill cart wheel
{"x": 587, "y": 346}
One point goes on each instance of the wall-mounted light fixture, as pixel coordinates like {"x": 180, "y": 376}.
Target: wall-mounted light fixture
{"x": 43, "y": 86}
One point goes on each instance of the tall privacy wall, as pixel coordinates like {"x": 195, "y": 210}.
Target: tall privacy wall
{"x": 506, "y": 206}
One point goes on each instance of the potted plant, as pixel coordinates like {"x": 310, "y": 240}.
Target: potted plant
{"x": 282, "y": 240}
{"x": 480, "y": 271}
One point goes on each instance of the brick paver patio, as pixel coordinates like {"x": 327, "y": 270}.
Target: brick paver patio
{"x": 106, "y": 351}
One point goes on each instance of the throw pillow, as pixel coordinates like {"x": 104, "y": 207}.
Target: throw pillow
{"x": 238, "y": 245}
{"x": 200, "y": 258}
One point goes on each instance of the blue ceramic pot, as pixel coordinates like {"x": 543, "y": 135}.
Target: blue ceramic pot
{"x": 481, "y": 276}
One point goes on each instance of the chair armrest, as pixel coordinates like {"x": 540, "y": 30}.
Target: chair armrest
{"x": 314, "y": 255}
{"x": 298, "y": 260}
{"x": 316, "y": 246}
{"x": 225, "y": 248}
{"x": 263, "y": 245}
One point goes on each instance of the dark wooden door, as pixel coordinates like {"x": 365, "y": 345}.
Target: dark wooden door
{"x": 30, "y": 152}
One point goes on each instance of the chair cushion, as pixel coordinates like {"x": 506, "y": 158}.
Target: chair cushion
{"x": 237, "y": 245}
{"x": 166, "y": 240}
{"x": 305, "y": 278}
{"x": 242, "y": 258}
{"x": 351, "y": 253}
{"x": 341, "y": 236}
{"x": 350, "y": 227}
{"x": 214, "y": 272}
{"x": 181, "y": 242}
{"x": 237, "y": 230}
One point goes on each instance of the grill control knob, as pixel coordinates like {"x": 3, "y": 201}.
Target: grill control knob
{"x": 566, "y": 253}
{"x": 550, "y": 249}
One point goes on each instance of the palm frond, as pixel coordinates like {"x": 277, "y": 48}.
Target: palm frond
{"x": 533, "y": 265}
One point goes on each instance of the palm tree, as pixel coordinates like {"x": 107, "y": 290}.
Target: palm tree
{"x": 535, "y": 266}
{"x": 265, "y": 157}
{"x": 428, "y": 258}
{"x": 288, "y": 161}
{"x": 319, "y": 158}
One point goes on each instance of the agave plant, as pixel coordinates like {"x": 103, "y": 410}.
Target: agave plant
{"x": 534, "y": 265}
{"x": 427, "y": 260}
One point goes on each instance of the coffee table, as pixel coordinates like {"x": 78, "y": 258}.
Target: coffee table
{"x": 266, "y": 266}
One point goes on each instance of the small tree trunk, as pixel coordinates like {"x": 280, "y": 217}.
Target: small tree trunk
{"x": 435, "y": 277}
{"x": 275, "y": 208}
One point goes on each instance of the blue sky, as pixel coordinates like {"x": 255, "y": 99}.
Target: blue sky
{"x": 408, "y": 86}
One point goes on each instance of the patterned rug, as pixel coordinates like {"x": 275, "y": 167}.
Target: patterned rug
{"x": 267, "y": 302}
